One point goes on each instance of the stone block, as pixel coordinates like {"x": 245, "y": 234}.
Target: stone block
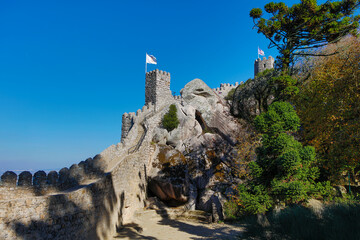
{"x": 63, "y": 177}
{"x": 52, "y": 178}
{"x": 87, "y": 166}
{"x": 76, "y": 174}
{"x": 25, "y": 179}
{"x": 39, "y": 178}
{"x": 9, "y": 179}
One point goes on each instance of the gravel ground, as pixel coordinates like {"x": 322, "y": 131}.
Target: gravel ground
{"x": 152, "y": 226}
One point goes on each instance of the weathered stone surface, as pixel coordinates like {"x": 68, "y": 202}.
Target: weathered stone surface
{"x": 211, "y": 108}
{"x": 204, "y": 203}
{"x": 157, "y": 88}
{"x": 154, "y": 203}
{"x": 173, "y": 194}
{"x": 76, "y": 174}
{"x": 212, "y": 202}
{"x": 199, "y": 95}
{"x": 98, "y": 165}
{"x": 64, "y": 177}
{"x": 168, "y": 176}
{"x": 52, "y": 178}
{"x": 188, "y": 127}
{"x": 87, "y": 166}
{"x": 9, "y": 178}
{"x": 217, "y": 207}
{"x": 25, "y": 179}
{"x": 39, "y": 178}
{"x": 160, "y": 135}
{"x": 193, "y": 193}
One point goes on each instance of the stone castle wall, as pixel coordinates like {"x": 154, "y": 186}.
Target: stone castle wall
{"x": 157, "y": 88}
{"x": 14, "y": 186}
{"x": 225, "y": 88}
{"x": 77, "y": 214}
{"x": 93, "y": 198}
{"x": 261, "y": 65}
{"x": 87, "y": 211}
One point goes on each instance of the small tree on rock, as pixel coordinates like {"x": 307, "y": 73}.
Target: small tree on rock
{"x": 170, "y": 120}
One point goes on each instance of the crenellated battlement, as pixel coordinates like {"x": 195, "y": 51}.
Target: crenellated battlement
{"x": 225, "y": 88}
{"x": 157, "y": 88}
{"x": 27, "y": 183}
{"x": 157, "y": 72}
{"x": 261, "y": 65}
{"x": 129, "y": 119}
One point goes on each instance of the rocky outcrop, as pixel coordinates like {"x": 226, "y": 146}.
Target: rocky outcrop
{"x": 168, "y": 178}
{"x": 188, "y": 127}
{"x": 212, "y": 112}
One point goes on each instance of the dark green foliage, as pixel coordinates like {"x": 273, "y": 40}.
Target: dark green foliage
{"x": 284, "y": 170}
{"x": 281, "y": 117}
{"x": 259, "y": 90}
{"x": 284, "y": 86}
{"x": 230, "y": 94}
{"x": 296, "y": 29}
{"x": 336, "y": 222}
{"x": 170, "y": 120}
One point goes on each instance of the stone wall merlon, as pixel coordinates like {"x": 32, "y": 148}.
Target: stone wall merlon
{"x": 151, "y": 73}
{"x": 62, "y": 180}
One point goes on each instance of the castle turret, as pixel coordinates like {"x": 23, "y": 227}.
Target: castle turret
{"x": 157, "y": 88}
{"x": 262, "y": 65}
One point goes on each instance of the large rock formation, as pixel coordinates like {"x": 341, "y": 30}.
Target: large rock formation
{"x": 212, "y": 111}
{"x": 194, "y": 163}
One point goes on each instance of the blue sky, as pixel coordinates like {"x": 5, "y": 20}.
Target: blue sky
{"x": 70, "y": 69}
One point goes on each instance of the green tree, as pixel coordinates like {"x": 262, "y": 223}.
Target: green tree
{"x": 329, "y": 107}
{"x": 284, "y": 170}
{"x": 307, "y": 25}
{"x": 170, "y": 120}
{"x": 230, "y": 95}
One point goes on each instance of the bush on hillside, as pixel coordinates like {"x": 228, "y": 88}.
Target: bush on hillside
{"x": 170, "y": 120}
{"x": 230, "y": 95}
{"x": 284, "y": 171}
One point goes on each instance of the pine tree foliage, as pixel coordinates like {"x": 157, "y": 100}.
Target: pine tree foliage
{"x": 307, "y": 25}
{"x": 170, "y": 120}
{"x": 284, "y": 170}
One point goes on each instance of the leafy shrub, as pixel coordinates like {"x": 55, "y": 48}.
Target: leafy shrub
{"x": 230, "y": 94}
{"x": 284, "y": 170}
{"x": 170, "y": 120}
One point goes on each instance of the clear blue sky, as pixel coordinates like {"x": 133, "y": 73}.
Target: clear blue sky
{"x": 70, "y": 69}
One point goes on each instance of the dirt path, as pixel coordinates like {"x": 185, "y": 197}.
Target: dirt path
{"x": 149, "y": 225}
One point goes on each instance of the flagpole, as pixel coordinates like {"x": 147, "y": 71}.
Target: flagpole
{"x": 145, "y": 64}
{"x": 258, "y": 51}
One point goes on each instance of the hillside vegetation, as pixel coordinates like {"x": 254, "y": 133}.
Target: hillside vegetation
{"x": 307, "y": 120}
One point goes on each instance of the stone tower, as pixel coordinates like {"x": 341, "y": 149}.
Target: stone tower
{"x": 262, "y": 65}
{"x": 157, "y": 88}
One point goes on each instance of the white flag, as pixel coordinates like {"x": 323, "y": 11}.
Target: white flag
{"x": 151, "y": 59}
{"x": 261, "y": 52}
